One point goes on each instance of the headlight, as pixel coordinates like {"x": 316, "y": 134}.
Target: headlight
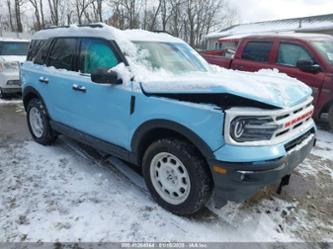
{"x": 247, "y": 129}
{"x": 9, "y": 66}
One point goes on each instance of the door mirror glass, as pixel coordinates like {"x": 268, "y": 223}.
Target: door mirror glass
{"x": 104, "y": 76}
{"x": 308, "y": 66}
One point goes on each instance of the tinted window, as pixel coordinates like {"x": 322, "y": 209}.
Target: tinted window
{"x": 257, "y": 51}
{"x": 62, "y": 53}
{"x": 95, "y": 54}
{"x": 14, "y": 48}
{"x": 34, "y": 47}
{"x": 289, "y": 54}
{"x": 41, "y": 55}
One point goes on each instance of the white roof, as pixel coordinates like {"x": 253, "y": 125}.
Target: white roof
{"x": 104, "y": 31}
{"x": 310, "y": 24}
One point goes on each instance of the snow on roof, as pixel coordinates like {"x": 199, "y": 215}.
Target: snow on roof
{"x": 307, "y": 36}
{"x": 104, "y": 31}
{"x": 312, "y": 23}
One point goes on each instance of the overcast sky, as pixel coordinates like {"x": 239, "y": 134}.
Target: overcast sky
{"x": 261, "y": 10}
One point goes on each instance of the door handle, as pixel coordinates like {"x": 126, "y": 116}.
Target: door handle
{"x": 76, "y": 87}
{"x": 43, "y": 80}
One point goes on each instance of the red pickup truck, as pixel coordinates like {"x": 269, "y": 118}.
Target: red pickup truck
{"x": 307, "y": 57}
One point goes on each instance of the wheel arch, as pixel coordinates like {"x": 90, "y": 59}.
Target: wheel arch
{"x": 153, "y": 130}
{"x": 30, "y": 93}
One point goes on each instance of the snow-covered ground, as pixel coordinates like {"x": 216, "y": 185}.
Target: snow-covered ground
{"x": 67, "y": 192}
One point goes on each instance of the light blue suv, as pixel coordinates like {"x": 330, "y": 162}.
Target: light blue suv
{"x": 151, "y": 100}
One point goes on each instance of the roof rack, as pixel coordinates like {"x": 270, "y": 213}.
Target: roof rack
{"x": 161, "y": 31}
{"x": 93, "y": 25}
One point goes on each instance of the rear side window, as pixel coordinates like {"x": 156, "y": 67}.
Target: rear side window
{"x": 40, "y": 57}
{"x": 34, "y": 47}
{"x": 257, "y": 51}
{"x": 62, "y": 54}
{"x": 96, "y": 53}
{"x": 290, "y": 54}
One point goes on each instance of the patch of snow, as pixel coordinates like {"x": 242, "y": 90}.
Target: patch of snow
{"x": 50, "y": 194}
{"x": 324, "y": 150}
{"x": 324, "y": 146}
{"x": 6, "y": 102}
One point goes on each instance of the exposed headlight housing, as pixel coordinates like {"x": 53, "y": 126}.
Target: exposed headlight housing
{"x": 248, "y": 129}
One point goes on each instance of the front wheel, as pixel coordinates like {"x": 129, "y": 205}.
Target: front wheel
{"x": 177, "y": 176}
{"x": 38, "y": 123}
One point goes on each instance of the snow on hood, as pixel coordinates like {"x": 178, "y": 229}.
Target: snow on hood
{"x": 12, "y": 58}
{"x": 266, "y": 86}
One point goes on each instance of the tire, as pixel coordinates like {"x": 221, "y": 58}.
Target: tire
{"x": 2, "y": 94}
{"x": 189, "y": 184}
{"x": 330, "y": 117}
{"x": 39, "y": 127}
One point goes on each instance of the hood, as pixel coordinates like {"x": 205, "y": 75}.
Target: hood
{"x": 265, "y": 86}
{"x": 17, "y": 58}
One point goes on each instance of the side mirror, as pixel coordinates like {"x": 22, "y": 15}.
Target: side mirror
{"x": 104, "y": 76}
{"x": 308, "y": 66}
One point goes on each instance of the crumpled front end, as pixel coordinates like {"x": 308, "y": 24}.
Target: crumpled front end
{"x": 262, "y": 150}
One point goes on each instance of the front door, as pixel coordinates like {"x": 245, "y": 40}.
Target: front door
{"x": 288, "y": 54}
{"x": 100, "y": 110}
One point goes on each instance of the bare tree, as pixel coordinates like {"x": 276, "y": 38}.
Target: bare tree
{"x": 97, "y": 6}
{"x": 54, "y": 6}
{"x": 17, "y": 5}
{"x": 39, "y": 13}
{"x": 10, "y": 13}
{"x": 127, "y": 12}
{"x": 81, "y": 7}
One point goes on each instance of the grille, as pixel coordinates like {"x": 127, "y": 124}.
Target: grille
{"x": 13, "y": 82}
{"x": 293, "y": 119}
{"x": 292, "y": 144}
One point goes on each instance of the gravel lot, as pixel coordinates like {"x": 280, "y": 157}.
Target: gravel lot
{"x": 69, "y": 192}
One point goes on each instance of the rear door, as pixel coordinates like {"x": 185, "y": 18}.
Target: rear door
{"x": 286, "y": 58}
{"x": 253, "y": 55}
{"x": 56, "y": 78}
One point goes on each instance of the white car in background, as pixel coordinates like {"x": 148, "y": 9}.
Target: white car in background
{"x": 12, "y": 53}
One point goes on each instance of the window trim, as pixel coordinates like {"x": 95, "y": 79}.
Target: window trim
{"x": 258, "y": 41}
{"x": 121, "y": 57}
{"x": 295, "y": 44}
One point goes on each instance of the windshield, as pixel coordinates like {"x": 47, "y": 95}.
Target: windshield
{"x": 177, "y": 58}
{"x": 14, "y": 48}
{"x": 325, "y": 47}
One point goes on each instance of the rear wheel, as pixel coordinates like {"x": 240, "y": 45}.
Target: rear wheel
{"x": 177, "y": 176}
{"x": 330, "y": 117}
{"x": 38, "y": 123}
{"x": 2, "y": 94}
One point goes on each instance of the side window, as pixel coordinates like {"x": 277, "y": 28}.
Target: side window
{"x": 290, "y": 53}
{"x": 96, "y": 54}
{"x": 62, "y": 54}
{"x": 41, "y": 55}
{"x": 34, "y": 47}
{"x": 257, "y": 51}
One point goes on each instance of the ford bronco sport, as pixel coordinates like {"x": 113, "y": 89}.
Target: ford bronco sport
{"x": 151, "y": 100}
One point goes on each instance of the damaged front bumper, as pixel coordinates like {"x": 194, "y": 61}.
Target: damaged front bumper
{"x": 239, "y": 181}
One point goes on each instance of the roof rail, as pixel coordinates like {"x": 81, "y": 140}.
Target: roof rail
{"x": 161, "y": 31}
{"x": 93, "y": 25}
